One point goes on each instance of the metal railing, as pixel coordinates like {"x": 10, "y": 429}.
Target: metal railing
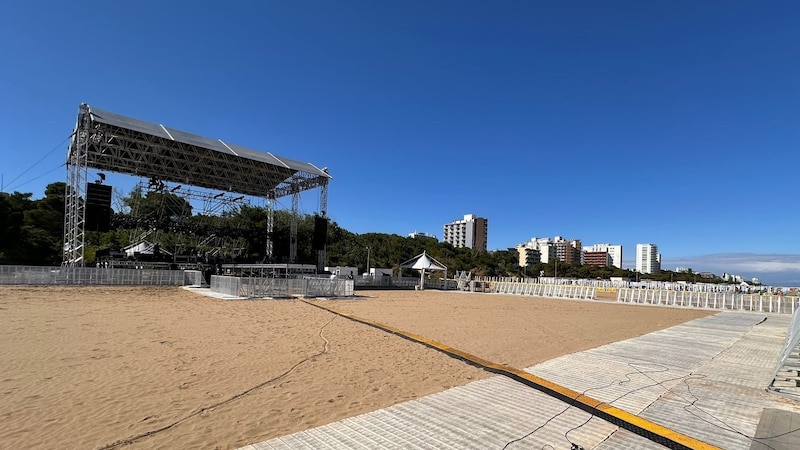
{"x": 543, "y": 290}
{"x": 263, "y": 287}
{"x": 55, "y": 275}
{"x": 765, "y": 303}
{"x": 786, "y": 377}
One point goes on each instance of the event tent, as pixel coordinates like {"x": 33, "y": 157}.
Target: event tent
{"x": 423, "y": 262}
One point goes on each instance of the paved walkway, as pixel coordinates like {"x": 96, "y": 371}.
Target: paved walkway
{"x": 705, "y": 379}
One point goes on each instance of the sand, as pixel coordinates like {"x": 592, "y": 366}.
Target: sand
{"x": 144, "y": 367}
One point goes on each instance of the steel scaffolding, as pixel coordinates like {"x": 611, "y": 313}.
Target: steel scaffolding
{"x": 114, "y": 143}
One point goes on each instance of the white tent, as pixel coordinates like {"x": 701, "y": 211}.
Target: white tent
{"x": 423, "y": 262}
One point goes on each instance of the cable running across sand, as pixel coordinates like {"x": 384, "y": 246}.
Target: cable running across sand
{"x": 133, "y": 439}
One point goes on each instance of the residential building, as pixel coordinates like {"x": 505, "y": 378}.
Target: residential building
{"x": 421, "y": 235}
{"x": 528, "y": 256}
{"x": 556, "y": 249}
{"x": 614, "y": 253}
{"x": 471, "y": 232}
{"x": 544, "y": 247}
{"x": 648, "y": 260}
{"x": 600, "y": 259}
{"x": 568, "y": 251}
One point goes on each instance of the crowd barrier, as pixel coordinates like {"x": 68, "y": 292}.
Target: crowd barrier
{"x": 543, "y": 290}
{"x": 766, "y": 303}
{"x": 262, "y": 287}
{"x": 54, "y": 275}
{"x": 194, "y": 278}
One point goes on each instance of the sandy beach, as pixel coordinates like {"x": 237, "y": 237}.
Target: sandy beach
{"x": 145, "y": 367}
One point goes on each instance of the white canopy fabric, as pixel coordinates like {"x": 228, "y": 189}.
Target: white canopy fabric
{"x": 423, "y": 261}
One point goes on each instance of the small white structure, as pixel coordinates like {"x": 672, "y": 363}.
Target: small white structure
{"x": 423, "y": 262}
{"x": 342, "y": 272}
{"x": 142, "y": 248}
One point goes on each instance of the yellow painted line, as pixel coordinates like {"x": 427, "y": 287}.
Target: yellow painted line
{"x": 642, "y": 427}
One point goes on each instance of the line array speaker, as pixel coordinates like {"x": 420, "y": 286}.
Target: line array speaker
{"x": 98, "y": 207}
{"x": 320, "y": 233}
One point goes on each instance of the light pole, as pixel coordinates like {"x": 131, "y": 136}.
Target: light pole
{"x": 367, "y": 260}
{"x": 555, "y": 271}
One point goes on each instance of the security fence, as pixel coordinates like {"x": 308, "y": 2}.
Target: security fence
{"x": 542, "y": 290}
{"x": 54, "y": 275}
{"x": 386, "y": 282}
{"x": 261, "y": 287}
{"x": 765, "y": 303}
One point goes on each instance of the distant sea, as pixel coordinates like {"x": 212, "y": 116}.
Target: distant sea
{"x": 777, "y": 282}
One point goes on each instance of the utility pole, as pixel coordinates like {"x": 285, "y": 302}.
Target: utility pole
{"x": 367, "y": 260}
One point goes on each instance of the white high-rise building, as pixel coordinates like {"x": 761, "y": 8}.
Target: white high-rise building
{"x": 544, "y": 247}
{"x": 614, "y": 252}
{"x": 648, "y": 260}
{"x": 472, "y": 232}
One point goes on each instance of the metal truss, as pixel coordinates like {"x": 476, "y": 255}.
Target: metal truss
{"x": 212, "y": 203}
{"x": 110, "y": 142}
{"x": 293, "y": 228}
{"x": 323, "y": 209}
{"x": 74, "y": 202}
{"x": 270, "y": 225}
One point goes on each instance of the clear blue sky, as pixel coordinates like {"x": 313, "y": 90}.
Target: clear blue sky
{"x": 674, "y": 123}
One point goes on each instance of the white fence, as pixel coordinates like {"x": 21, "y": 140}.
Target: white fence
{"x": 767, "y": 303}
{"x": 53, "y": 275}
{"x": 786, "y": 377}
{"x": 543, "y": 290}
{"x": 258, "y": 287}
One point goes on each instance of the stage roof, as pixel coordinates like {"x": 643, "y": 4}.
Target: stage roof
{"x": 121, "y": 144}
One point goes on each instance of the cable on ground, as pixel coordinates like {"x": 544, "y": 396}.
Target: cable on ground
{"x": 137, "y": 437}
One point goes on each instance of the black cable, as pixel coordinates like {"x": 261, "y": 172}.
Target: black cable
{"x": 40, "y": 160}
{"x": 132, "y": 439}
{"x": 19, "y": 185}
{"x": 570, "y": 405}
{"x": 726, "y": 427}
{"x": 685, "y": 380}
{"x": 628, "y": 379}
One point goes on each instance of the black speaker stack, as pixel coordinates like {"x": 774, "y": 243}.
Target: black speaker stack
{"x": 98, "y": 207}
{"x": 320, "y": 236}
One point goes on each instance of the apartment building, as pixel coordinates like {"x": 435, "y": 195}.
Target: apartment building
{"x": 528, "y": 256}
{"x": 614, "y": 254}
{"x": 550, "y": 250}
{"x": 471, "y": 232}
{"x": 648, "y": 260}
{"x": 568, "y": 251}
{"x": 600, "y": 259}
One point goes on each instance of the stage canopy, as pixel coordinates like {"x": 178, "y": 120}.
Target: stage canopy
{"x": 111, "y": 142}
{"x": 131, "y": 146}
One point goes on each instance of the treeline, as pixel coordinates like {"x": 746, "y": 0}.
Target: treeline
{"x": 31, "y": 233}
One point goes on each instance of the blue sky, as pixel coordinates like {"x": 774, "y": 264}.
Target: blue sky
{"x": 674, "y": 123}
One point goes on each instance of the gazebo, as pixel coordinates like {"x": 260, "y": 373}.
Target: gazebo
{"x": 423, "y": 262}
